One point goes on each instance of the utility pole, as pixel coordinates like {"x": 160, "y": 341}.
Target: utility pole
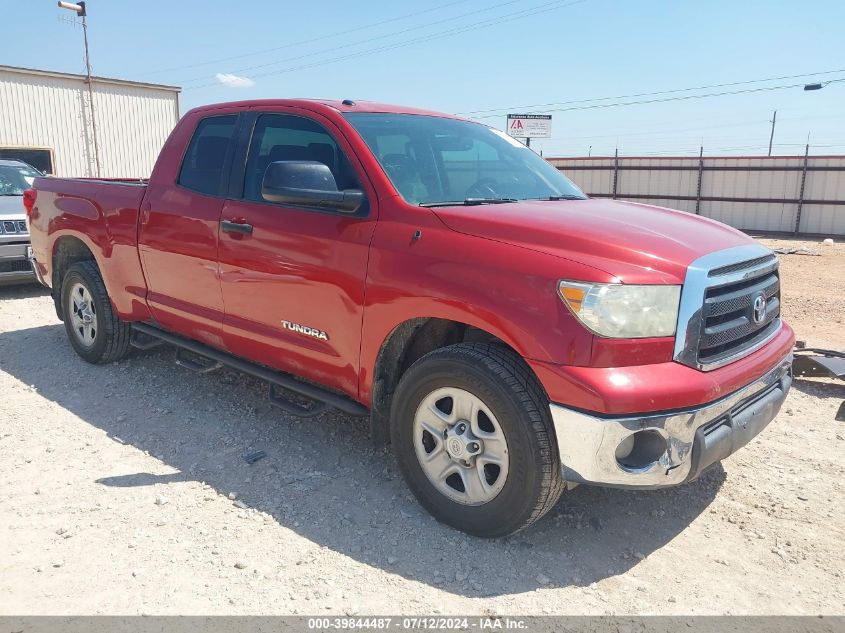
{"x": 79, "y": 8}
{"x": 772, "y": 137}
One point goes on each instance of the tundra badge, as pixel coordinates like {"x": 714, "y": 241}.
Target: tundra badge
{"x": 304, "y": 329}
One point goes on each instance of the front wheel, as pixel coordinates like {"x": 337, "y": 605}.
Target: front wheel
{"x": 472, "y": 431}
{"x": 96, "y": 333}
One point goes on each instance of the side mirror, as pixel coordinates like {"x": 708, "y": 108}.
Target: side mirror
{"x": 307, "y": 183}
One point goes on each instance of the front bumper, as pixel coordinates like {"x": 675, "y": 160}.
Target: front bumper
{"x": 671, "y": 447}
{"x": 14, "y": 267}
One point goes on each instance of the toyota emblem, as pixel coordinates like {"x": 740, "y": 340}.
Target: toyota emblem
{"x": 758, "y": 308}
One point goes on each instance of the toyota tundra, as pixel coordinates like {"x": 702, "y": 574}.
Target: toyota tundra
{"x": 509, "y": 336}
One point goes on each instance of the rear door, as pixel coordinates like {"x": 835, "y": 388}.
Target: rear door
{"x": 178, "y": 235}
{"x": 294, "y": 286}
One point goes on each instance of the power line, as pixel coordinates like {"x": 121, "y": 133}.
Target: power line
{"x": 520, "y": 108}
{"x": 693, "y": 151}
{"x": 690, "y": 150}
{"x": 688, "y": 97}
{"x": 813, "y": 118}
{"x": 549, "y": 6}
{"x": 508, "y": 17}
{"x": 810, "y": 144}
{"x": 371, "y": 39}
{"x": 684, "y": 98}
{"x": 656, "y": 132}
{"x": 363, "y": 27}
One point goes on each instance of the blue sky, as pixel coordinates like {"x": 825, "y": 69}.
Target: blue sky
{"x": 470, "y": 55}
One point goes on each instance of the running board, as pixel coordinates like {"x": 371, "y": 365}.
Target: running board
{"x": 213, "y": 359}
{"x": 195, "y": 362}
{"x": 142, "y": 341}
{"x": 294, "y": 408}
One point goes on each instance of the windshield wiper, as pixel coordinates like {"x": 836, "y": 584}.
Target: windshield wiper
{"x": 561, "y": 197}
{"x": 468, "y": 202}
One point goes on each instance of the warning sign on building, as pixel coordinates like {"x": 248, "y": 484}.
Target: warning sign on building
{"x": 530, "y": 125}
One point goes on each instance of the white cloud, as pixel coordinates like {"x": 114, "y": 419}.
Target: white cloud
{"x": 233, "y": 81}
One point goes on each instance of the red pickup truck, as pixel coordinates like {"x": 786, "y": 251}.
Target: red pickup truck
{"x": 509, "y": 336}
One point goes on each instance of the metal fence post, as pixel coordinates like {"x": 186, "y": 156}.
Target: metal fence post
{"x": 615, "y": 171}
{"x": 801, "y": 192}
{"x": 698, "y": 188}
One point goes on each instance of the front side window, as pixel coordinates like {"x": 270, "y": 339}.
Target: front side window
{"x": 435, "y": 161}
{"x": 16, "y": 178}
{"x": 284, "y": 137}
{"x": 202, "y": 167}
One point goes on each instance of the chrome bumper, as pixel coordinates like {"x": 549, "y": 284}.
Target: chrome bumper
{"x": 672, "y": 447}
{"x": 30, "y": 255}
{"x": 13, "y": 254}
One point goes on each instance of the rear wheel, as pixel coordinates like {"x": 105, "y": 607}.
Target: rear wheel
{"x": 472, "y": 431}
{"x": 96, "y": 333}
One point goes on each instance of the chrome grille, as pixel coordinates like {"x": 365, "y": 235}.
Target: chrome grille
{"x": 717, "y": 322}
{"x": 15, "y": 266}
{"x": 730, "y": 268}
{"x": 717, "y": 303}
{"x": 13, "y": 227}
{"x": 728, "y": 323}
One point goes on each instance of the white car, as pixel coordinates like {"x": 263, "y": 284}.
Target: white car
{"x": 15, "y": 177}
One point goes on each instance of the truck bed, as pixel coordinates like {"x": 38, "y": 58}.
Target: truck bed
{"x": 100, "y": 214}
{"x": 139, "y": 182}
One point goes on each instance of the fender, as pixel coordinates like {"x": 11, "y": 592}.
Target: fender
{"x": 107, "y": 227}
{"x": 494, "y": 287}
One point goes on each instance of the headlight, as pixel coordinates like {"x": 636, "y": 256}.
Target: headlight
{"x": 621, "y": 310}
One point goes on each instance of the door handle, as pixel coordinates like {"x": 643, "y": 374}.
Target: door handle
{"x": 230, "y": 226}
{"x": 145, "y": 213}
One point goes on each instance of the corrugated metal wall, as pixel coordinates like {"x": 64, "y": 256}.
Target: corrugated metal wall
{"x": 51, "y": 110}
{"x": 751, "y": 193}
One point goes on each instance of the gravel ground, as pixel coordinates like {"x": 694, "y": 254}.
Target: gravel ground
{"x": 124, "y": 490}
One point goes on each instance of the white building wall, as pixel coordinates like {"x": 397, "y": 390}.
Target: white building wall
{"x": 51, "y": 110}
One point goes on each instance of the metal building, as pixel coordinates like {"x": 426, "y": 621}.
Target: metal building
{"x": 46, "y": 120}
{"x": 770, "y": 194}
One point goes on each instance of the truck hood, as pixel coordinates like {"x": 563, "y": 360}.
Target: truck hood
{"x": 11, "y": 208}
{"x": 635, "y": 243}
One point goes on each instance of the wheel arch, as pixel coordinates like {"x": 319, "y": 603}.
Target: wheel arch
{"x": 68, "y": 249}
{"x": 406, "y": 343}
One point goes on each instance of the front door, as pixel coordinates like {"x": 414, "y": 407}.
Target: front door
{"x": 293, "y": 286}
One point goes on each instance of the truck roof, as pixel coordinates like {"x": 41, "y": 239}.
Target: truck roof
{"x": 346, "y": 105}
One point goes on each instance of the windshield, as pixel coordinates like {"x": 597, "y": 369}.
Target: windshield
{"x": 433, "y": 160}
{"x": 15, "y": 179}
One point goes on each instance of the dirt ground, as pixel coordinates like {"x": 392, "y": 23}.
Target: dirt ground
{"x": 124, "y": 490}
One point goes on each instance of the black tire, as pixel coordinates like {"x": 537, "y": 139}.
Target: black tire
{"x": 509, "y": 389}
{"x": 111, "y": 338}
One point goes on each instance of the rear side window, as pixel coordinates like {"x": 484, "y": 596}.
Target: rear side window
{"x": 203, "y": 165}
